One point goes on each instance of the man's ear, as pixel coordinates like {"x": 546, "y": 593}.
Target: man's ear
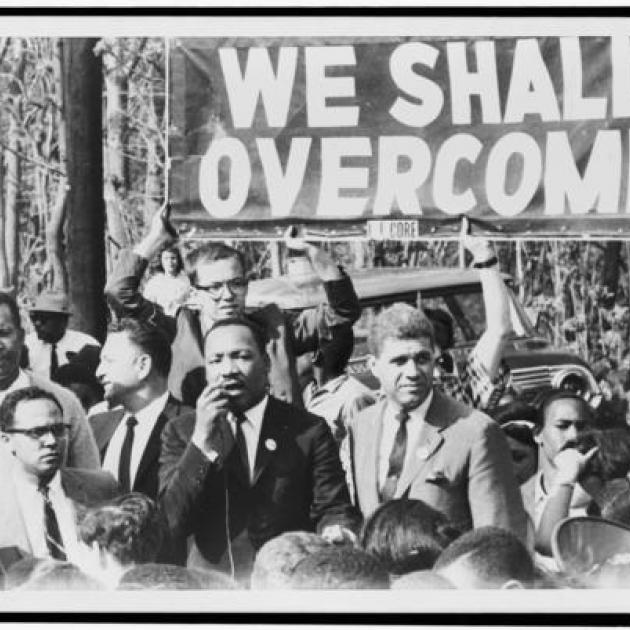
{"x": 145, "y": 364}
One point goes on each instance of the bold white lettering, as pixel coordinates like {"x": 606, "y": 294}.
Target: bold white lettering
{"x": 577, "y": 107}
{"x": 319, "y": 87}
{"x": 502, "y": 202}
{"x": 461, "y": 146}
{"x": 212, "y": 179}
{"x": 601, "y": 182}
{"x": 400, "y": 187}
{"x": 259, "y": 80}
{"x": 619, "y": 56}
{"x": 335, "y": 177}
{"x": 429, "y": 93}
{"x": 283, "y": 188}
{"x": 463, "y": 83}
{"x": 531, "y": 90}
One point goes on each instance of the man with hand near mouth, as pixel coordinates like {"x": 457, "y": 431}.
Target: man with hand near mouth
{"x": 246, "y": 467}
{"x": 38, "y": 496}
{"x": 219, "y": 278}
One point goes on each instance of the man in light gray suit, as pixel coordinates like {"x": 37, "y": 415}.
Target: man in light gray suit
{"x": 420, "y": 443}
{"x": 40, "y": 499}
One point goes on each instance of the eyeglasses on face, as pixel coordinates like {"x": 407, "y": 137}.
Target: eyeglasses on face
{"x": 235, "y": 285}
{"x": 58, "y": 430}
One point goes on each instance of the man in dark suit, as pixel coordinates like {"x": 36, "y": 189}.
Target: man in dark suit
{"x": 133, "y": 371}
{"x": 269, "y": 465}
{"x": 420, "y": 443}
{"x": 39, "y": 498}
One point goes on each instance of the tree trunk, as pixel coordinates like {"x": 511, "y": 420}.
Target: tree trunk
{"x": 610, "y": 273}
{"x": 82, "y": 83}
{"x": 153, "y": 185}
{"x": 4, "y": 267}
{"x": 115, "y": 181}
{"x": 13, "y": 174}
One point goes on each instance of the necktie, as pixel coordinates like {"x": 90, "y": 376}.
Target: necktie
{"x": 54, "y": 360}
{"x": 241, "y": 444}
{"x": 396, "y": 457}
{"x": 51, "y": 527}
{"x": 124, "y": 464}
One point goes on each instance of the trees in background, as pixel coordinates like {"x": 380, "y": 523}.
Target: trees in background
{"x": 51, "y": 190}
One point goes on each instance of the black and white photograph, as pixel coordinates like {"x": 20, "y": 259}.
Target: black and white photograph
{"x": 334, "y": 303}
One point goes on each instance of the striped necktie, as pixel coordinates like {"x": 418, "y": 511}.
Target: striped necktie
{"x": 51, "y": 526}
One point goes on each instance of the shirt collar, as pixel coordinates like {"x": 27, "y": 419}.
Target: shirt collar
{"x": 333, "y": 384}
{"x": 150, "y": 412}
{"x": 419, "y": 413}
{"x": 255, "y": 414}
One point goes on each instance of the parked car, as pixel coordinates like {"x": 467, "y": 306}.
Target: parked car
{"x": 534, "y": 364}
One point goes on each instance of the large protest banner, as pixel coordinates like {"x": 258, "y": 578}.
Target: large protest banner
{"x": 527, "y": 136}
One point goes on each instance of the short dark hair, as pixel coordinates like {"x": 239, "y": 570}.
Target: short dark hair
{"x": 259, "y": 334}
{"x": 131, "y": 528}
{"x": 6, "y": 299}
{"x": 340, "y": 567}
{"x": 334, "y": 353}
{"x": 154, "y": 576}
{"x": 13, "y": 399}
{"x": 399, "y": 321}
{"x": 495, "y": 555}
{"x": 553, "y": 395}
{"x": 211, "y": 252}
{"x": 150, "y": 339}
{"x": 277, "y": 558}
{"x": 407, "y": 535}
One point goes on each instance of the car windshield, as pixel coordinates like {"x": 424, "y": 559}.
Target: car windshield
{"x": 465, "y": 307}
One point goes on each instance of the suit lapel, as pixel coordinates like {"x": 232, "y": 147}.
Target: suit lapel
{"x": 429, "y": 442}
{"x": 368, "y": 457}
{"x": 103, "y": 426}
{"x": 273, "y": 425}
{"x": 154, "y": 445}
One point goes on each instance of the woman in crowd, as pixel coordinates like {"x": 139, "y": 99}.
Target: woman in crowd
{"x": 169, "y": 286}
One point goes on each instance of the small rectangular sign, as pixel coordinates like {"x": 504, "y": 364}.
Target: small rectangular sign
{"x": 393, "y": 229}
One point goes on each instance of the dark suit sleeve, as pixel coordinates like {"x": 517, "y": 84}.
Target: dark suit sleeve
{"x": 493, "y": 492}
{"x": 331, "y": 501}
{"x": 124, "y": 296}
{"x": 183, "y": 472}
{"x": 313, "y": 324}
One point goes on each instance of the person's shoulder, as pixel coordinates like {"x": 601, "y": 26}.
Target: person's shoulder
{"x": 459, "y": 415}
{"x": 78, "y": 337}
{"x": 182, "y": 424}
{"x": 91, "y": 478}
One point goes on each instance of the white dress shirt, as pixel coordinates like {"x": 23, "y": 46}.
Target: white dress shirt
{"x": 146, "y": 418}
{"x": 388, "y": 435}
{"x": 39, "y": 351}
{"x": 31, "y": 503}
{"x": 251, "y": 427}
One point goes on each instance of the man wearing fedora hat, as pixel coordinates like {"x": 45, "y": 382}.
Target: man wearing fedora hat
{"x": 52, "y": 343}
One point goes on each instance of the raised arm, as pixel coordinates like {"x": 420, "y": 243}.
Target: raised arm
{"x": 123, "y": 288}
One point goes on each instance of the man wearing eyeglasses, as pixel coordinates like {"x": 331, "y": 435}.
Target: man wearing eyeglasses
{"x": 39, "y": 497}
{"x": 219, "y": 277}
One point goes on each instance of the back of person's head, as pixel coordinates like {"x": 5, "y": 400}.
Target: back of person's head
{"x": 21, "y": 571}
{"x": 150, "y": 339}
{"x": 131, "y": 528}
{"x": 342, "y": 567}
{"x": 420, "y": 580}
{"x": 277, "y": 558}
{"x": 442, "y": 326}
{"x": 612, "y": 458}
{"x": 406, "y": 535}
{"x": 399, "y": 321}
{"x": 153, "y": 576}
{"x": 616, "y": 506}
{"x": 212, "y": 252}
{"x": 79, "y": 375}
{"x": 52, "y": 575}
{"x": 487, "y": 557}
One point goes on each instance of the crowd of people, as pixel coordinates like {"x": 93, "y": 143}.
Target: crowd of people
{"x": 186, "y": 452}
